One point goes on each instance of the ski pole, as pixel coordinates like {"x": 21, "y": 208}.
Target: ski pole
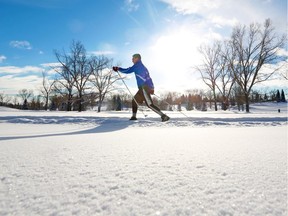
{"x": 130, "y": 93}
{"x": 171, "y": 105}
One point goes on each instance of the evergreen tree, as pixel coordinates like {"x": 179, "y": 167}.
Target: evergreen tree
{"x": 38, "y": 102}
{"x": 114, "y": 102}
{"x": 273, "y": 96}
{"x": 33, "y": 104}
{"x": 278, "y": 98}
{"x": 25, "y": 105}
{"x": 179, "y": 107}
{"x": 204, "y": 106}
{"x": 189, "y": 103}
{"x": 119, "y": 103}
{"x": 198, "y": 103}
{"x": 283, "y": 99}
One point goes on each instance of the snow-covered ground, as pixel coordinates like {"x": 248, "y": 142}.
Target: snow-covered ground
{"x": 212, "y": 163}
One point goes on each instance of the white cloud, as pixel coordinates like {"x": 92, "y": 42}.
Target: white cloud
{"x": 230, "y": 12}
{"x": 20, "y": 70}
{"x": 131, "y": 5}
{"x": 220, "y": 21}
{"x": 195, "y": 6}
{"x": 14, "y": 78}
{"x": 50, "y": 68}
{"x": 282, "y": 52}
{"x": 21, "y": 44}
{"x": 101, "y": 52}
{"x": 51, "y": 64}
{"x": 13, "y": 84}
{"x": 2, "y": 58}
{"x": 281, "y": 69}
{"x": 103, "y": 49}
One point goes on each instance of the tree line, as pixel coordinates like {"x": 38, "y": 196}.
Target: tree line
{"x": 244, "y": 60}
{"x": 80, "y": 80}
{"x": 196, "y": 99}
{"x": 202, "y": 100}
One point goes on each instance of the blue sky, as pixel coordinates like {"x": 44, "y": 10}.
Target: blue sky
{"x": 166, "y": 32}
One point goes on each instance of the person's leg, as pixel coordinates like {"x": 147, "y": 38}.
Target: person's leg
{"x": 139, "y": 98}
{"x": 149, "y": 102}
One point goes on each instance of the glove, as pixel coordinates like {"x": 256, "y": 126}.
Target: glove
{"x": 115, "y": 68}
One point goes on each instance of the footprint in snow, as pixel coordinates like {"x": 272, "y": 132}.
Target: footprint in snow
{"x": 200, "y": 166}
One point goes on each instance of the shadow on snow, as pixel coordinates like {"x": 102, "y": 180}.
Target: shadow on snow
{"x": 98, "y": 125}
{"x": 110, "y": 124}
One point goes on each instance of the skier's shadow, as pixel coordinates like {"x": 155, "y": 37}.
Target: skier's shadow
{"x": 104, "y": 126}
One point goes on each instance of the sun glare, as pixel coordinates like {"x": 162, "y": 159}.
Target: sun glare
{"x": 173, "y": 55}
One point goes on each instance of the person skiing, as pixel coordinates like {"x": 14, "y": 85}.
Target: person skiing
{"x": 145, "y": 87}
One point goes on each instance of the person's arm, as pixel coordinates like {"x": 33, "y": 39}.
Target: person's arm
{"x": 126, "y": 70}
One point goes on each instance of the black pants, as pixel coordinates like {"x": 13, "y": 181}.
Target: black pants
{"x": 144, "y": 95}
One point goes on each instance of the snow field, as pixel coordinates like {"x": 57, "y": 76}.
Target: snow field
{"x": 105, "y": 165}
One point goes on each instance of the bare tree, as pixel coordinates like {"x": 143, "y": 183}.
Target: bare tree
{"x": 64, "y": 85}
{"x": 46, "y": 89}
{"x": 284, "y": 74}
{"x": 4, "y": 99}
{"x": 75, "y": 65}
{"x": 225, "y": 80}
{"x": 209, "y": 70}
{"x": 2, "y": 96}
{"x": 15, "y": 102}
{"x": 102, "y": 77}
{"x": 254, "y": 48}
{"x": 25, "y": 94}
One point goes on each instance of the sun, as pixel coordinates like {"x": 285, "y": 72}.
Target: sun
{"x": 172, "y": 55}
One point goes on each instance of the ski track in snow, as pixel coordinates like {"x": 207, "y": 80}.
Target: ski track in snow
{"x": 102, "y": 124}
{"x": 101, "y": 164}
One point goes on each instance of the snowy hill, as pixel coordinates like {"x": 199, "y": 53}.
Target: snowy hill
{"x": 7, "y": 109}
{"x": 212, "y": 163}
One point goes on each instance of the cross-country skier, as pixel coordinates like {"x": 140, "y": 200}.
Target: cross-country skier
{"x": 145, "y": 86}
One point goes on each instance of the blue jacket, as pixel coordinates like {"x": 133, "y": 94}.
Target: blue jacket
{"x": 141, "y": 73}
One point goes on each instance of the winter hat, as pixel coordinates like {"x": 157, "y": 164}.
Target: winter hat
{"x": 137, "y": 56}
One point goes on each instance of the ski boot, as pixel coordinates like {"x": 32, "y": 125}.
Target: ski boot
{"x": 165, "y": 118}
